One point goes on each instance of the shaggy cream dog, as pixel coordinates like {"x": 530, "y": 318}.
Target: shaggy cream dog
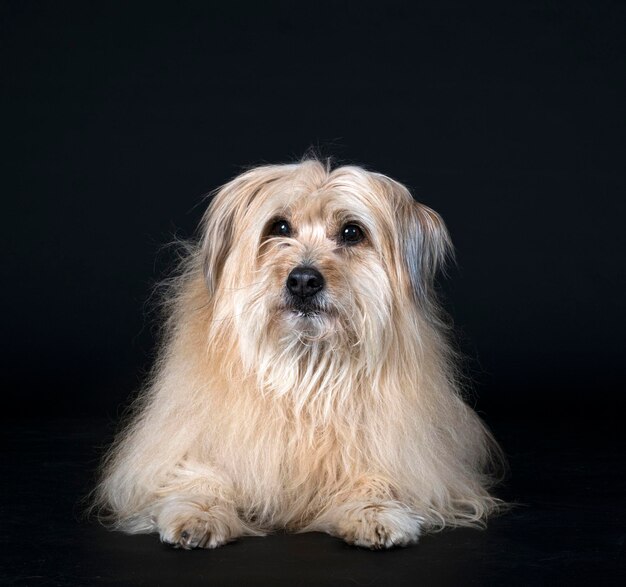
{"x": 305, "y": 381}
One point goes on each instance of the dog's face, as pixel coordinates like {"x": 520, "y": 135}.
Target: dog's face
{"x": 297, "y": 257}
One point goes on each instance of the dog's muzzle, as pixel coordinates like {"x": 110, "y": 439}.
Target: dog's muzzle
{"x": 304, "y": 284}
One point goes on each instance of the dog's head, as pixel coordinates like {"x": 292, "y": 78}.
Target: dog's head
{"x": 298, "y": 256}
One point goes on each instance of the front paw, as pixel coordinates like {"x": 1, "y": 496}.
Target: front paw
{"x": 196, "y": 532}
{"x": 378, "y": 526}
{"x": 196, "y": 525}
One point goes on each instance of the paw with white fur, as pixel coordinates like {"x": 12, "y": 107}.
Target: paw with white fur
{"x": 378, "y": 525}
{"x": 197, "y": 523}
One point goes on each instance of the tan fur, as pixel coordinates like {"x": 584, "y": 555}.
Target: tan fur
{"x": 348, "y": 422}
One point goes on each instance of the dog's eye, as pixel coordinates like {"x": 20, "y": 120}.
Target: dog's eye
{"x": 280, "y": 228}
{"x": 351, "y": 234}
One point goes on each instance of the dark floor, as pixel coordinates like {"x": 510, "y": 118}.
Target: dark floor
{"x": 569, "y": 528}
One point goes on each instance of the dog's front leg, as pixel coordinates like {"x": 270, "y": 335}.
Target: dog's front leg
{"x": 196, "y": 508}
{"x": 370, "y": 515}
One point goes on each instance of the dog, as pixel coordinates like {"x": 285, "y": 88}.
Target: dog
{"x": 305, "y": 380}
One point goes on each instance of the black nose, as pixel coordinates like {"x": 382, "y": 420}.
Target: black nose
{"x": 305, "y": 282}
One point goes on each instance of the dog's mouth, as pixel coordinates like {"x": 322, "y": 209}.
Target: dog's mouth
{"x": 304, "y": 309}
{"x": 306, "y": 314}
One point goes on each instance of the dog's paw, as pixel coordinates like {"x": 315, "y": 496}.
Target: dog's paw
{"x": 378, "y": 526}
{"x": 197, "y": 532}
{"x": 195, "y": 525}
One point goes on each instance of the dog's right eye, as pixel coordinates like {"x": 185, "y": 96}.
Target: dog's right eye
{"x": 280, "y": 228}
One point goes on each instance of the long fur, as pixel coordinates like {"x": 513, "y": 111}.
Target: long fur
{"x": 349, "y": 422}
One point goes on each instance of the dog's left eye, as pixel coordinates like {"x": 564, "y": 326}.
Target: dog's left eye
{"x": 280, "y": 228}
{"x": 351, "y": 234}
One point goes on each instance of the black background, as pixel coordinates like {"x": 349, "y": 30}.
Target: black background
{"x": 507, "y": 118}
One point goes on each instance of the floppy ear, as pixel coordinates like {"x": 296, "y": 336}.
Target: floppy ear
{"x": 217, "y": 231}
{"x": 225, "y": 211}
{"x": 426, "y": 246}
